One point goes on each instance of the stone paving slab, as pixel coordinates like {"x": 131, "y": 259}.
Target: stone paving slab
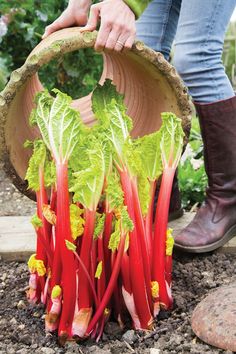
{"x": 18, "y": 240}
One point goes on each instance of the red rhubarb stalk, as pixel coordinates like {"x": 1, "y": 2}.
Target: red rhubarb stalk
{"x": 159, "y": 248}
{"x": 137, "y": 274}
{"x": 110, "y": 286}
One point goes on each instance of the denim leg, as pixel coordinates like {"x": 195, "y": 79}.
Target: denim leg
{"x": 198, "y": 48}
{"x": 157, "y": 25}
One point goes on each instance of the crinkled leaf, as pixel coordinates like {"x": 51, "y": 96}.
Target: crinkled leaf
{"x": 143, "y": 192}
{"x": 32, "y": 263}
{"x": 134, "y": 157}
{"x": 70, "y": 246}
{"x": 114, "y": 192}
{"x": 118, "y": 130}
{"x": 102, "y": 95}
{"x": 169, "y": 242}
{"x": 40, "y": 115}
{"x": 79, "y": 159}
{"x": 98, "y": 272}
{"x": 39, "y": 159}
{"x": 99, "y": 226}
{"x": 126, "y": 243}
{"x": 171, "y": 139}
{"x": 115, "y": 237}
{"x": 148, "y": 148}
{"x": 126, "y": 222}
{"x": 76, "y": 221}
{"x": 56, "y": 292}
{"x": 28, "y": 144}
{"x": 36, "y": 221}
{"x": 59, "y": 124}
{"x": 49, "y": 214}
{"x": 115, "y": 125}
{"x": 63, "y": 128}
{"x": 89, "y": 182}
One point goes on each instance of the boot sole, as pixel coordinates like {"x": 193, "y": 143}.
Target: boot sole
{"x": 231, "y": 233}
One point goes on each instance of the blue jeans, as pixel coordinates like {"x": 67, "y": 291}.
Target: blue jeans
{"x": 198, "y": 27}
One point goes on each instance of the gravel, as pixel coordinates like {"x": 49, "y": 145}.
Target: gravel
{"x": 12, "y": 202}
{"x": 22, "y": 325}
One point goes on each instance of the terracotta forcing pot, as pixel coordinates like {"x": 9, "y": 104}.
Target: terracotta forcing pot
{"x": 150, "y": 85}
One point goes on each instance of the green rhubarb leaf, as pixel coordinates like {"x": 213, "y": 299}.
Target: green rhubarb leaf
{"x": 63, "y": 128}
{"x": 118, "y": 131}
{"x": 49, "y": 172}
{"x": 98, "y": 272}
{"x": 126, "y": 222}
{"x": 115, "y": 237}
{"x": 28, "y": 144}
{"x": 89, "y": 182}
{"x": 113, "y": 123}
{"x": 135, "y": 155}
{"x": 148, "y": 148}
{"x": 143, "y": 192}
{"x": 76, "y": 221}
{"x": 70, "y": 246}
{"x": 123, "y": 225}
{"x": 171, "y": 139}
{"x": 56, "y": 292}
{"x": 39, "y": 159}
{"x": 114, "y": 192}
{"x": 79, "y": 159}
{"x": 126, "y": 243}
{"x": 40, "y": 115}
{"x": 59, "y": 124}
{"x": 100, "y": 221}
{"x": 102, "y": 95}
{"x": 36, "y": 221}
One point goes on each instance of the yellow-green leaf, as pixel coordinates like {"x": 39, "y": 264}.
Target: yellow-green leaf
{"x": 98, "y": 270}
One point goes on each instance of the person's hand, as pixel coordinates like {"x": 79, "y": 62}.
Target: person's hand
{"x": 76, "y": 13}
{"x": 117, "y": 28}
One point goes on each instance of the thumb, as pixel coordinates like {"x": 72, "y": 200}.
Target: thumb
{"x": 65, "y": 20}
{"x": 94, "y": 17}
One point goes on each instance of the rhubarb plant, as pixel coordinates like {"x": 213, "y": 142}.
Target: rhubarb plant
{"x": 98, "y": 253}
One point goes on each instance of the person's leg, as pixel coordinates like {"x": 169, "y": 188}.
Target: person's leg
{"x": 157, "y": 25}
{"x": 198, "y": 48}
{"x": 199, "y": 43}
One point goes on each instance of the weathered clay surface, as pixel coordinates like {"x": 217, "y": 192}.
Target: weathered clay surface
{"x": 150, "y": 85}
{"x": 214, "y": 319}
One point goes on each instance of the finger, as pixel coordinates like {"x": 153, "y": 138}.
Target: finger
{"x": 112, "y": 39}
{"x": 93, "y": 20}
{"x": 119, "y": 46}
{"x": 65, "y": 20}
{"x": 120, "y": 43}
{"x": 103, "y": 35}
{"x": 129, "y": 42}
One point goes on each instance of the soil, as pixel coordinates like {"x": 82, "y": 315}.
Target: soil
{"x": 22, "y": 325}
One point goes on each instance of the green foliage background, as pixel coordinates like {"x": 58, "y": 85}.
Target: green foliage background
{"x": 76, "y": 73}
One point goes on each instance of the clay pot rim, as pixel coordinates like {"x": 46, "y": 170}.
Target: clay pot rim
{"x": 75, "y": 40}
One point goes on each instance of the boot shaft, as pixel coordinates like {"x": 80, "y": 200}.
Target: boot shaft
{"x": 218, "y": 128}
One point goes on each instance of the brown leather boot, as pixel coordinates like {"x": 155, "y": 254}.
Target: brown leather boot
{"x": 215, "y": 222}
